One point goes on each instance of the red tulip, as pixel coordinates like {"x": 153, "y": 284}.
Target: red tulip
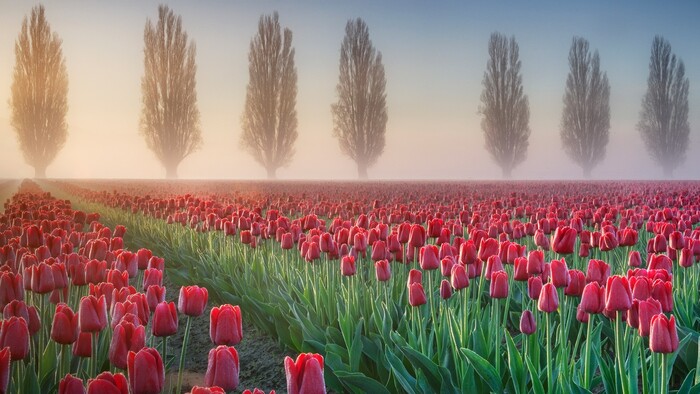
{"x": 4, "y": 368}
{"x": 429, "y": 257}
{"x": 535, "y": 262}
{"x": 125, "y": 338}
{"x": 10, "y": 288}
{"x": 647, "y": 309}
{"x": 223, "y": 368}
{"x": 598, "y": 271}
{"x": 154, "y": 296}
{"x": 467, "y": 252}
{"x": 445, "y": 289}
{"x": 156, "y": 263}
{"x": 382, "y": 270}
{"x": 225, "y": 325}
{"x": 16, "y": 308}
{"x": 488, "y": 247}
{"x": 255, "y": 391}
{"x": 576, "y": 284}
{"x": 416, "y": 295}
{"x": 493, "y": 265}
{"x": 608, "y": 241}
{"x": 663, "y": 337}
{"x": 528, "y": 326}
{"x": 192, "y": 300}
{"x": 618, "y": 296}
{"x": 416, "y": 238}
{"x": 108, "y": 383}
{"x": 641, "y": 287}
{"x": 64, "y": 329}
{"x": 534, "y": 287}
{"x": 499, "y": 285}
{"x": 71, "y": 385}
{"x": 548, "y": 301}
{"x": 151, "y": 277}
{"x": 560, "y": 273}
{"x": 593, "y": 298}
{"x": 347, "y": 266}
{"x": 563, "y": 240}
{"x": 14, "y": 334}
{"x": 459, "y": 277}
{"x": 634, "y": 259}
{"x": 82, "y": 347}
{"x": 92, "y": 314}
{"x": 414, "y": 276}
{"x": 287, "y": 241}
{"x": 142, "y": 257}
{"x": 164, "y": 320}
{"x": 208, "y": 390}
{"x": 95, "y": 271}
{"x": 662, "y": 291}
{"x": 97, "y": 250}
{"x": 305, "y": 375}
{"x": 520, "y": 273}
{"x": 660, "y": 261}
{"x": 42, "y": 278}
{"x": 146, "y": 372}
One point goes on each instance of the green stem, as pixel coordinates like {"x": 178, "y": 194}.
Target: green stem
{"x": 664, "y": 373}
{"x": 550, "y": 380}
{"x": 618, "y": 352}
{"x": 587, "y": 365}
{"x": 93, "y": 359}
{"x": 182, "y": 354}
{"x": 645, "y": 383}
{"x": 165, "y": 351}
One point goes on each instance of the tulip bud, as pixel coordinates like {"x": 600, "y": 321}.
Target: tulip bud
{"x": 146, "y": 372}
{"x": 548, "y": 301}
{"x": 71, "y": 385}
{"x": 192, "y": 300}
{"x": 663, "y": 337}
{"x": 528, "y": 326}
{"x": 445, "y": 289}
{"x": 64, "y": 329}
{"x": 416, "y": 294}
{"x": 14, "y": 334}
{"x": 499, "y": 285}
{"x": 382, "y": 270}
{"x": 164, "y": 320}
{"x": 618, "y": 296}
{"x": 106, "y": 382}
{"x": 223, "y": 368}
{"x": 305, "y": 375}
{"x": 225, "y": 325}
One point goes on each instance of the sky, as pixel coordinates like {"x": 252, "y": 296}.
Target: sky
{"x": 434, "y": 55}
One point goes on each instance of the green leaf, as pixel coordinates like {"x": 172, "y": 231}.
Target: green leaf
{"x": 484, "y": 369}
{"x": 407, "y": 382}
{"x": 687, "y": 383}
{"x": 515, "y": 364}
{"x": 31, "y": 383}
{"x": 361, "y": 382}
{"x": 537, "y": 387}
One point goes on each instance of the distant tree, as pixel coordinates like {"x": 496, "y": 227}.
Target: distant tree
{"x": 504, "y": 105}
{"x": 170, "y": 117}
{"x": 360, "y": 114}
{"x": 585, "y": 124}
{"x": 270, "y": 117}
{"x": 664, "y": 120}
{"x": 39, "y": 92}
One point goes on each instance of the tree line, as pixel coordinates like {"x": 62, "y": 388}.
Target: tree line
{"x": 170, "y": 116}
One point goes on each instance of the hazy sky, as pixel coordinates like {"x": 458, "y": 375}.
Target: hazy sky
{"x": 434, "y": 55}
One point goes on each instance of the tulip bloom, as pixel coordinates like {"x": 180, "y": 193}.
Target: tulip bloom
{"x": 429, "y": 257}
{"x": 634, "y": 259}
{"x": 559, "y": 273}
{"x": 347, "y": 266}
{"x": 445, "y": 289}
{"x": 646, "y": 310}
{"x": 528, "y": 326}
{"x": 305, "y": 375}
{"x": 70, "y": 385}
{"x": 223, "y": 368}
{"x": 42, "y": 278}
{"x": 563, "y": 240}
{"x": 192, "y": 300}
{"x": 548, "y": 301}
{"x": 597, "y": 271}
{"x": 164, "y": 320}
{"x": 382, "y": 270}
{"x": 146, "y": 372}
{"x": 4, "y": 368}
{"x": 226, "y": 325}
{"x": 593, "y": 298}
{"x": 576, "y": 284}
{"x": 618, "y": 296}
{"x": 64, "y": 329}
{"x": 663, "y": 337}
{"x": 82, "y": 347}
{"x": 499, "y": 285}
{"x": 535, "y": 262}
{"x": 10, "y": 288}
{"x": 108, "y": 383}
{"x": 662, "y": 291}
{"x": 534, "y": 287}
{"x": 211, "y": 390}
{"x": 14, "y": 334}
{"x": 154, "y": 296}
{"x": 126, "y": 338}
{"x": 92, "y": 315}
{"x": 416, "y": 294}
{"x": 459, "y": 277}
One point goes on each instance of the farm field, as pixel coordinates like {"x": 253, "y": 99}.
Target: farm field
{"x": 421, "y": 287}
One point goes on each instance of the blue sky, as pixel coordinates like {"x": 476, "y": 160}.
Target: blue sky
{"x": 434, "y": 53}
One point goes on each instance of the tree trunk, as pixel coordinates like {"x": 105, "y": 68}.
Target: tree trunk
{"x": 668, "y": 172}
{"x": 506, "y": 172}
{"x": 361, "y": 170}
{"x": 271, "y": 173}
{"x": 171, "y": 171}
{"x": 40, "y": 172}
{"x": 587, "y": 172}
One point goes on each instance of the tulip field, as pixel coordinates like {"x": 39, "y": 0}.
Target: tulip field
{"x": 394, "y": 287}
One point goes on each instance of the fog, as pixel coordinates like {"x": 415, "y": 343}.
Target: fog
{"x": 434, "y": 57}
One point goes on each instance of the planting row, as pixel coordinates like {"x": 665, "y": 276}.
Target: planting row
{"x": 526, "y": 288}
{"x": 83, "y": 314}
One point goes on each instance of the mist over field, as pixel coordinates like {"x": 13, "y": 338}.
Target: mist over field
{"x": 434, "y": 57}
